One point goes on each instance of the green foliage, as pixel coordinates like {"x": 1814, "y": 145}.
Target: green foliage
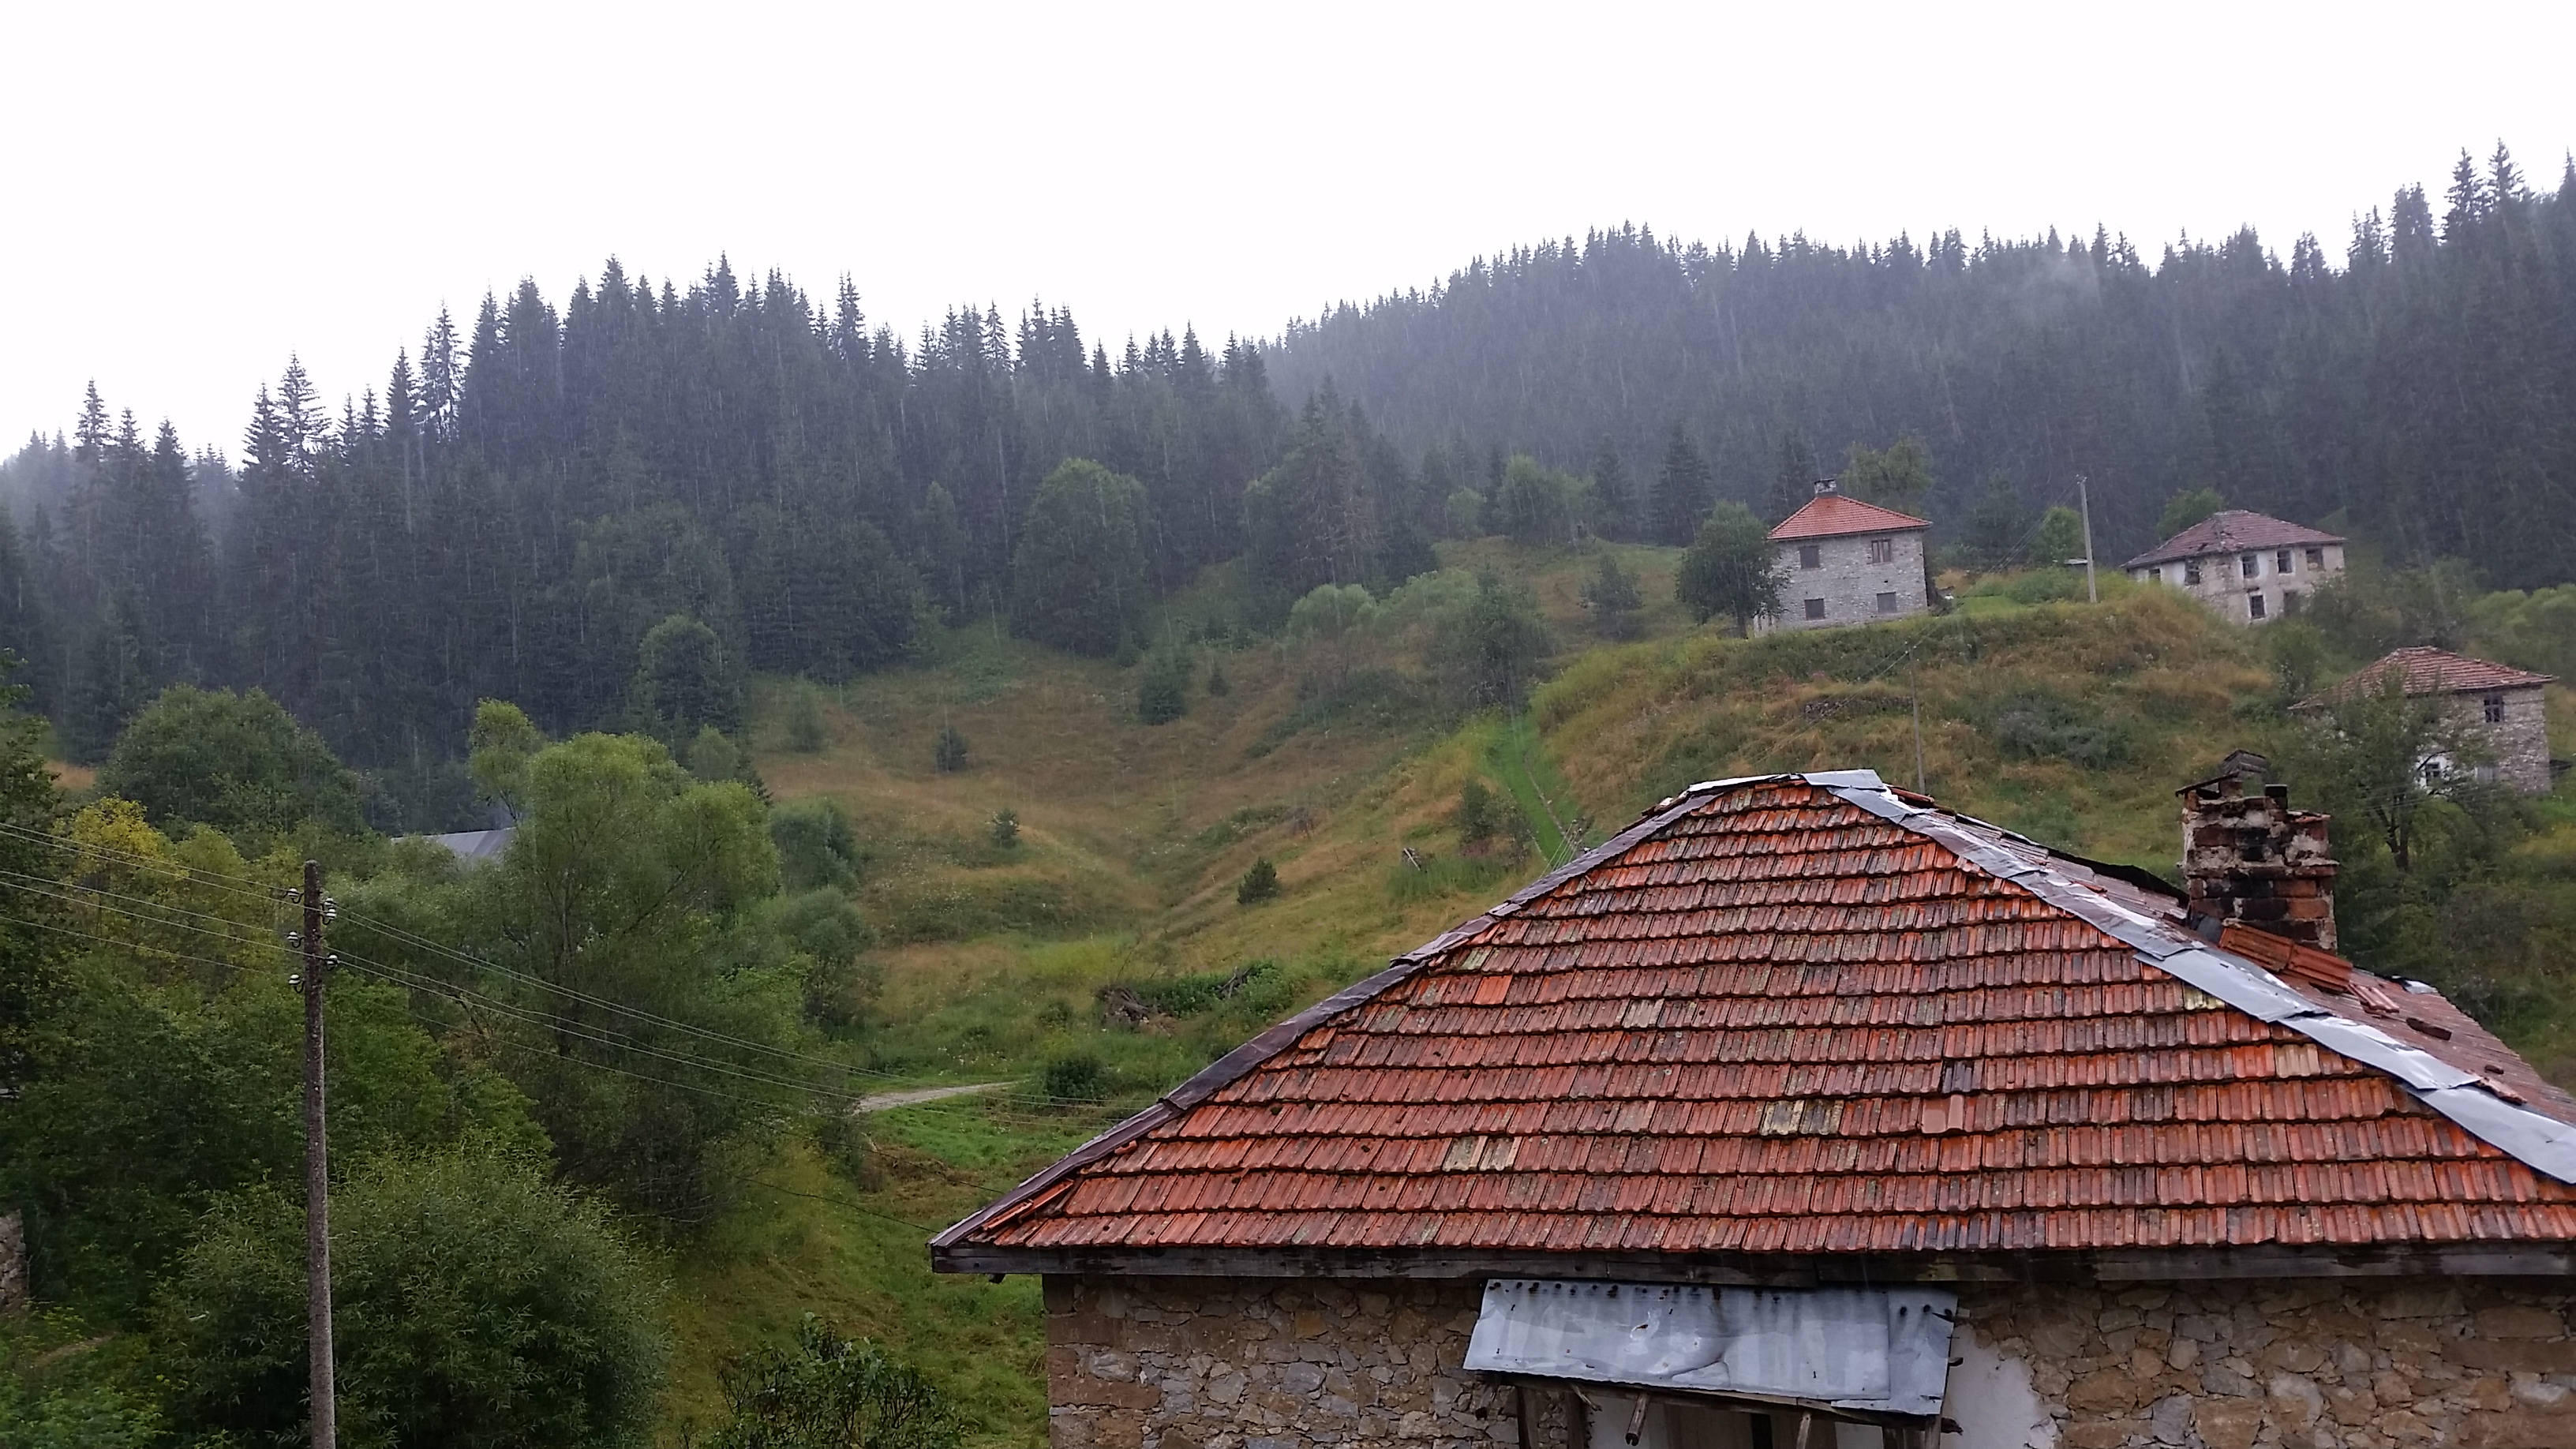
{"x": 2060, "y": 539}
{"x": 1684, "y": 489}
{"x": 1217, "y": 687}
{"x": 2535, "y": 630}
{"x": 816, "y": 845}
{"x": 1490, "y": 644}
{"x": 2185, "y": 509}
{"x": 1329, "y": 612}
{"x": 1005, "y": 828}
{"x": 1078, "y": 579}
{"x": 806, "y": 732}
{"x": 683, "y": 681}
{"x": 1612, "y": 597}
{"x": 1537, "y": 505}
{"x": 1314, "y": 519}
{"x": 2038, "y": 725}
{"x": 822, "y": 592}
{"x": 1464, "y": 511}
{"x": 1730, "y": 569}
{"x": 1996, "y": 526}
{"x": 111, "y": 685}
{"x": 840, "y": 988}
{"x": 1898, "y": 476}
{"x": 948, "y": 753}
{"x": 1074, "y": 1077}
{"x": 1479, "y": 817}
{"x": 1259, "y": 884}
{"x": 500, "y": 745}
{"x": 236, "y": 762}
{"x": 2368, "y": 610}
{"x": 1163, "y": 692}
{"x": 1253, "y": 982}
{"x": 2387, "y": 757}
{"x": 832, "y": 1392}
{"x": 714, "y": 758}
{"x": 30, "y": 953}
{"x": 473, "y": 1305}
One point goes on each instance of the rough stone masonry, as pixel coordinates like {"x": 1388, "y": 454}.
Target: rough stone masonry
{"x": 1196, "y": 1363}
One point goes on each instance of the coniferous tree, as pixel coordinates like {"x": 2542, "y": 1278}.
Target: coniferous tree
{"x": 1684, "y": 490}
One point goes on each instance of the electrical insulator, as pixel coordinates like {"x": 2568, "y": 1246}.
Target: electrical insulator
{"x": 295, "y": 938}
{"x": 294, "y": 978}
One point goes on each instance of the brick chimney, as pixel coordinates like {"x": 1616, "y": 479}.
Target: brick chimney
{"x": 1827, "y": 487}
{"x": 2250, "y": 860}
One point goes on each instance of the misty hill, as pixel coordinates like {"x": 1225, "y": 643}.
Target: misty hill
{"x": 2417, "y": 387}
{"x": 617, "y": 510}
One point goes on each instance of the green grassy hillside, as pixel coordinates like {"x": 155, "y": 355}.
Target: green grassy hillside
{"x": 1104, "y": 956}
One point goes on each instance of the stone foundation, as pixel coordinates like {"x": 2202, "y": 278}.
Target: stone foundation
{"x": 2467, "y": 1363}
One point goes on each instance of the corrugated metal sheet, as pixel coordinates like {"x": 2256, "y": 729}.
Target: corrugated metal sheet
{"x": 1801, "y": 1015}
{"x": 1880, "y": 1350}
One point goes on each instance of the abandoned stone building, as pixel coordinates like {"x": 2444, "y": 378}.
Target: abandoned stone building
{"x": 2505, "y": 709}
{"x": 1843, "y": 561}
{"x": 2248, "y": 566}
{"x": 1805, "y": 1113}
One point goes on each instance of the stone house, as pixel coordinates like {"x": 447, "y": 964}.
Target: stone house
{"x": 2508, "y": 708}
{"x": 1803, "y": 1114}
{"x": 2247, "y": 566}
{"x": 1842, "y": 561}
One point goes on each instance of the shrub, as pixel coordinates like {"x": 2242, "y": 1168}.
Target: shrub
{"x": 1006, "y": 830}
{"x": 816, "y": 846}
{"x": 1477, "y": 818}
{"x": 949, "y": 754}
{"x": 806, "y": 732}
{"x": 1163, "y": 695}
{"x": 1260, "y": 883}
{"x": 1216, "y": 684}
{"x": 237, "y": 762}
{"x": 831, "y": 1392}
{"x": 1074, "y": 1077}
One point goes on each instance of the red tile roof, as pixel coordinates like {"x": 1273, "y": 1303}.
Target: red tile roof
{"x": 2231, "y": 530}
{"x": 1800, "y": 1015}
{"x": 1835, "y": 514}
{"x": 2430, "y": 671}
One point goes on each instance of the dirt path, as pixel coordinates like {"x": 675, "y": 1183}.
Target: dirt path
{"x": 886, "y": 1101}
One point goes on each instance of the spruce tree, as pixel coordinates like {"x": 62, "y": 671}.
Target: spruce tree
{"x": 1683, "y": 490}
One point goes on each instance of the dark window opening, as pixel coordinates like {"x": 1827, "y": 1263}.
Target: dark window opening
{"x": 2253, "y": 565}
{"x": 1887, "y": 603}
{"x": 1882, "y": 550}
{"x": 2493, "y": 705}
{"x": 2281, "y": 562}
{"x": 1815, "y": 608}
{"x": 2191, "y": 572}
{"x": 2254, "y": 606}
{"x": 1811, "y": 555}
{"x": 2316, "y": 558}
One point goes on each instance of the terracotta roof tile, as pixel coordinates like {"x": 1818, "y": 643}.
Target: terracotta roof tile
{"x": 1835, "y": 514}
{"x": 2231, "y": 530}
{"x": 1780, "y": 1023}
{"x": 2430, "y": 671}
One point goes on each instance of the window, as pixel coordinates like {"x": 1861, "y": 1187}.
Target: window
{"x": 2493, "y": 707}
{"x": 2253, "y": 563}
{"x": 2254, "y": 606}
{"x": 2289, "y": 602}
{"x": 2155, "y": 576}
{"x": 1882, "y": 550}
{"x": 1887, "y": 603}
{"x": 1815, "y": 608}
{"x": 2281, "y": 562}
{"x": 2191, "y": 573}
{"x": 1811, "y": 555}
{"x": 2316, "y": 559}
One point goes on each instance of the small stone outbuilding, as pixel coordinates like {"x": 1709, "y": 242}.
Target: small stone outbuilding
{"x": 2507, "y": 708}
{"x": 1843, "y": 561}
{"x": 2250, "y": 567}
{"x": 1806, "y": 1115}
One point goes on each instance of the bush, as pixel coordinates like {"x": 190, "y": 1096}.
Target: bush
{"x": 2042, "y": 726}
{"x": 816, "y": 846}
{"x": 1478, "y": 818}
{"x": 237, "y": 762}
{"x": 831, "y": 1393}
{"x": 949, "y": 754}
{"x": 1075, "y": 1077}
{"x": 1006, "y": 830}
{"x": 474, "y": 1305}
{"x": 1216, "y": 684}
{"x": 806, "y": 732}
{"x": 1260, "y": 883}
{"x": 1163, "y": 695}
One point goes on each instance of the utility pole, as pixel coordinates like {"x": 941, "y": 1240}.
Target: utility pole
{"x": 2092, "y": 593}
{"x": 317, "y": 1169}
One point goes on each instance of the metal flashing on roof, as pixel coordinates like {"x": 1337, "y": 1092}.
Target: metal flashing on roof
{"x": 1859, "y": 1350}
{"x": 2539, "y": 1142}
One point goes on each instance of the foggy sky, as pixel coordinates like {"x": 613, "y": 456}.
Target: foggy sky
{"x": 195, "y": 191}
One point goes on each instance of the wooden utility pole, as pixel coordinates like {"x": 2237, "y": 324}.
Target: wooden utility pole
{"x": 2092, "y": 594}
{"x": 317, "y": 1170}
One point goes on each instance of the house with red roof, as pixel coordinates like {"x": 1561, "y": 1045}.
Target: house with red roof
{"x": 2248, "y": 566}
{"x": 1843, "y": 561}
{"x": 1804, "y": 1112}
{"x": 2504, "y": 708}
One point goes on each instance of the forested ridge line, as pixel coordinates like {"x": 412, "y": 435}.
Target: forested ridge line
{"x": 613, "y": 512}
{"x": 2421, "y": 391}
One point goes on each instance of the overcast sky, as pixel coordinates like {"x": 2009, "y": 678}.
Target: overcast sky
{"x": 195, "y": 191}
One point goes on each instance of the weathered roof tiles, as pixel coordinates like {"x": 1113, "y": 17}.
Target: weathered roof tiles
{"x": 1801, "y": 1016}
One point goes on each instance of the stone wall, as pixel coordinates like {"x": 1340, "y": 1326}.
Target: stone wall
{"x": 2465, "y": 1363}
{"x": 2224, "y": 586}
{"x": 2520, "y": 741}
{"x": 1848, "y": 582}
{"x": 1208, "y": 1363}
